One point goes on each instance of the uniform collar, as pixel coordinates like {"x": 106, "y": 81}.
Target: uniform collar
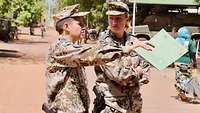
{"x": 118, "y": 41}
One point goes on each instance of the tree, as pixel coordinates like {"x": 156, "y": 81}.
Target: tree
{"x": 197, "y": 1}
{"x": 97, "y": 16}
{"x": 29, "y": 11}
{"x": 5, "y": 6}
{"x": 26, "y": 11}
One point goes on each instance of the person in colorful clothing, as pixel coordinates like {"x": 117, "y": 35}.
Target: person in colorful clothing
{"x": 118, "y": 82}
{"x": 185, "y": 82}
{"x": 66, "y": 82}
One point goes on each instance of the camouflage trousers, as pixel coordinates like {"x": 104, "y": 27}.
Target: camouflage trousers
{"x": 68, "y": 99}
{"x": 129, "y": 104}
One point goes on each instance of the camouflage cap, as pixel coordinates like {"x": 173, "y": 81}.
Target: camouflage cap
{"x": 117, "y": 8}
{"x": 70, "y": 11}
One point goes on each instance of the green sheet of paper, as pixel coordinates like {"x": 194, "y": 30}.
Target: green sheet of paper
{"x": 166, "y": 50}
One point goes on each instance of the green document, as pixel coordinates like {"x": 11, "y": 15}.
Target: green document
{"x": 166, "y": 50}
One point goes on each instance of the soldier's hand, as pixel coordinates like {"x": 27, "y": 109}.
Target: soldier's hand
{"x": 145, "y": 44}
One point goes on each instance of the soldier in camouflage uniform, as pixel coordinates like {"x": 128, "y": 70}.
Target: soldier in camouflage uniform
{"x": 66, "y": 87}
{"x": 66, "y": 83}
{"x": 118, "y": 82}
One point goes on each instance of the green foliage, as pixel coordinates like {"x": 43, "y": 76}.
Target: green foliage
{"x": 28, "y": 11}
{"x": 4, "y": 7}
{"x": 197, "y": 1}
{"x": 96, "y": 19}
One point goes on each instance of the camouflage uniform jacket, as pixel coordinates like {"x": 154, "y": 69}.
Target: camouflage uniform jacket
{"x": 66, "y": 82}
{"x": 126, "y": 93}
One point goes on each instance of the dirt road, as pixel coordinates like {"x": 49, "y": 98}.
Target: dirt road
{"x": 23, "y": 82}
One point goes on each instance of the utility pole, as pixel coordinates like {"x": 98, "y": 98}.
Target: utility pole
{"x": 133, "y": 19}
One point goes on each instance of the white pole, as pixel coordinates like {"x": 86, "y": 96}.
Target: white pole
{"x": 87, "y": 21}
{"x": 197, "y": 48}
{"x": 133, "y": 20}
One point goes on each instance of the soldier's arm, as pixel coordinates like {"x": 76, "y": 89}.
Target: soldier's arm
{"x": 128, "y": 74}
{"x": 107, "y": 42}
{"x": 145, "y": 66}
{"x": 103, "y": 52}
{"x": 66, "y": 54}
